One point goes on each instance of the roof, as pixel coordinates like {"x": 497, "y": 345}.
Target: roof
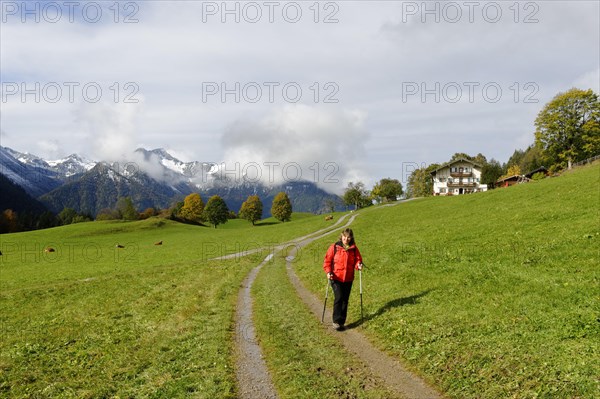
{"x": 508, "y": 178}
{"x": 533, "y": 172}
{"x": 519, "y": 178}
{"x": 447, "y": 164}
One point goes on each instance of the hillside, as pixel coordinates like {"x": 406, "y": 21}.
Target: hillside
{"x": 487, "y": 295}
{"x": 16, "y": 198}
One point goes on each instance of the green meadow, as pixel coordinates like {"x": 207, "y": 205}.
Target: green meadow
{"x": 91, "y": 320}
{"x": 489, "y": 295}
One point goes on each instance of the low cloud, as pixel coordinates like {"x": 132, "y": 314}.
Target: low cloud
{"x": 110, "y": 129}
{"x": 293, "y": 143}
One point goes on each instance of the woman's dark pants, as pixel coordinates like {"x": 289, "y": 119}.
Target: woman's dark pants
{"x": 341, "y": 292}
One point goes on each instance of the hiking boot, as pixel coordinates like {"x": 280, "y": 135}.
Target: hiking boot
{"x": 338, "y": 327}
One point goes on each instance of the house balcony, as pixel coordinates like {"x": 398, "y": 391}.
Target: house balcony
{"x": 462, "y": 184}
{"x": 461, "y": 174}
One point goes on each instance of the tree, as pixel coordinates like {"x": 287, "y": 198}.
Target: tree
{"x": 356, "y": 195}
{"x": 46, "y": 220}
{"x": 516, "y": 158}
{"x": 459, "y": 155}
{"x": 491, "y": 172}
{"x": 108, "y": 214}
{"x": 216, "y": 211}
{"x": 126, "y": 209}
{"x": 66, "y": 216}
{"x": 148, "y": 213}
{"x": 420, "y": 183}
{"x": 192, "y": 208}
{"x": 480, "y": 159}
{"x": 532, "y": 159}
{"x": 251, "y": 209}
{"x": 9, "y": 221}
{"x": 513, "y": 170}
{"x": 330, "y": 205}
{"x": 568, "y": 127}
{"x": 175, "y": 210}
{"x": 281, "y": 209}
{"x": 388, "y": 189}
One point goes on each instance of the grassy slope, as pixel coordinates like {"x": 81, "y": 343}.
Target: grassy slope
{"x": 488, "y": 295}
{"x": 91, "y": 320}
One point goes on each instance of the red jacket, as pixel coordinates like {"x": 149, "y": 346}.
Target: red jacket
{"x": 344, "y": 263}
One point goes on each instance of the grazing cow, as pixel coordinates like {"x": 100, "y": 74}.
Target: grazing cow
{"x": 158, "y": 243}
{"x": 48, "y": 250}
{"x": 119, "y": 246}
{"x": 330, "y": 217}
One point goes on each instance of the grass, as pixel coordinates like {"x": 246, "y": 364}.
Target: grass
{"x": 488, "y": 295}
{"x": 146, "y": 321}
{"x": 89, "y": 249}
{"x": 305, "y": 361}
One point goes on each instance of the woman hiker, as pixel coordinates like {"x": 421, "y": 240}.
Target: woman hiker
{"x": 341, "y": 259}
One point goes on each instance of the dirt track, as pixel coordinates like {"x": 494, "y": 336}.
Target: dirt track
{"x": 251, "y": 371}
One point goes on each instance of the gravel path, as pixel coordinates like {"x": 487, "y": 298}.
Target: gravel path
{"x": 253, "y": 379}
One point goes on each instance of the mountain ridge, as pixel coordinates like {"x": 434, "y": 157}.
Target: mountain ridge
{"x": 153, "y": 178}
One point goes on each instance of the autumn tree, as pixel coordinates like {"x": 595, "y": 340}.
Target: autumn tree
{"x": 388, "y": 189}
{"x": 192, "y": 208}
{"x": 9, "y": 221}
{"x": 513, "y": 170}
{"x": 216, "y": 211}
{"x": 568, "y": 127}
{"x": 251, "y": 209}
{"x": 281, "y": 209}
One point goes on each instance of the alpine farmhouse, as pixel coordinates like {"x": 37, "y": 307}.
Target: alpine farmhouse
{"x": 460, "y": 176}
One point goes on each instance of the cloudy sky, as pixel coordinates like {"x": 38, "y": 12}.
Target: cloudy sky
{"x": 335, "y": 91}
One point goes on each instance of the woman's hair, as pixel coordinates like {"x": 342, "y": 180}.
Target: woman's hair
{"x": 348, "y": 233}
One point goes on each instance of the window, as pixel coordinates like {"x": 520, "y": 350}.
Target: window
{"x": 442, "y": 191}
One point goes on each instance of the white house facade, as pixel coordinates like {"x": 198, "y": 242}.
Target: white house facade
{"x": 457, "y": 177}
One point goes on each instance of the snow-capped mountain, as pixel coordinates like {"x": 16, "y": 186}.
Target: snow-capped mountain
{"x": 71, "y": 165}
{"x": 152, "y": 178}
{"x": 66, "y": 167}
{"x": 28, "y": 171}
{"x": 191, "y": 172}
{"x": 26, "y": 158}
{"x": 104, "y": 184}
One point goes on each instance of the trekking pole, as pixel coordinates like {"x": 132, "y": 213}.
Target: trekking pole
{"x": 326, "y": 295}
{"x": 361, "y": 292}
